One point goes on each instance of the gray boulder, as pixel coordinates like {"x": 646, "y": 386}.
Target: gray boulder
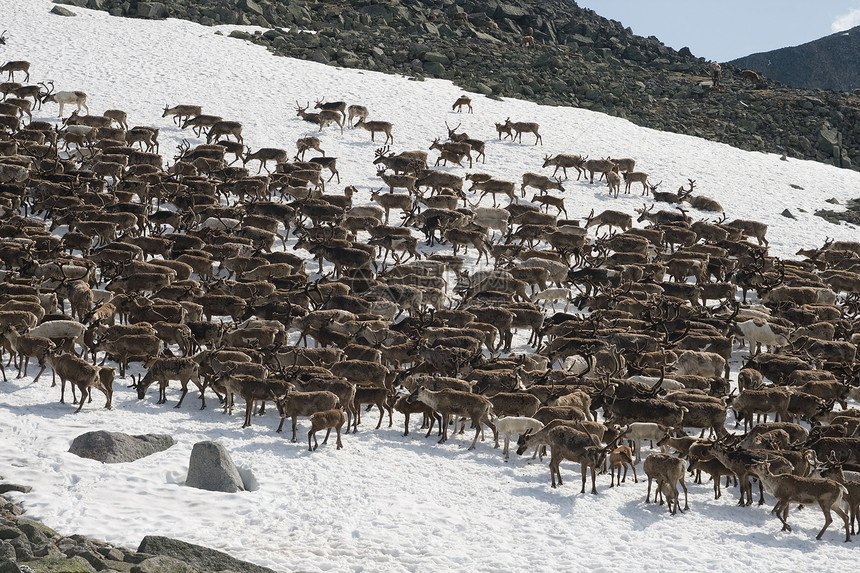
{"x": 60, "y": 11}
{"x": 151, "y": 10}
{"x": 116, "y": 447}
{"x": 212, "y": 468}
{"x": 196, "y": 556}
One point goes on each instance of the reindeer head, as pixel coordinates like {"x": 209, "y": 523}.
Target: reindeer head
{"x": 452, "y": 131}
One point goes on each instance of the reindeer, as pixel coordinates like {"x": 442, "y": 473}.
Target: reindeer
{"x": 700, "y": 202}
{"x": 334, "y": 106}
{"x": 454, "y": 402}
{"x": 452, "y": 151}
{"x": 752, "y": 76}
{"x": 506, "y": 129}
{"x": 396, "y": 181}
{"x": 65, "y": 97}
{"x": 358, "y": 111}
{"x": 520, "y": 127}
{"x": 494, "y": 187}
{"x": 264, "y": 155}
{"x": 787, "y": 489}
{"x": 631, "y": 177}
{"x": 303, "y": 144}
{"x": 225, "y": 128}
{"x": 609, "y": 218}
{"x": 200, "y": 122}
{"x": 461, "y": 101}
{"x": 564, "y": 161}
{"x": 376, "y": 126}
{"x": 182, "y": 111}
{"x": 16, "y": 66}
{"x": 540, "y": 182}
{"x": 476, "y": 144}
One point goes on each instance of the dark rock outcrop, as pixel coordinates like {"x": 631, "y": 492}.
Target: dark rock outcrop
{"x": 201, "y": 558}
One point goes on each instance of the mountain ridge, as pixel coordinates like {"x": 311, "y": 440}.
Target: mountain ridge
{"x": 828, "y": 63}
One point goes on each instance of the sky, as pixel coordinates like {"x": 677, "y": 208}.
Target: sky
{"x": 730, "y": 29}
{"x": 385, "y": 502}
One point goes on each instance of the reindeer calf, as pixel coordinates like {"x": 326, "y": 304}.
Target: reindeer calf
{"x": 326, "y": 420}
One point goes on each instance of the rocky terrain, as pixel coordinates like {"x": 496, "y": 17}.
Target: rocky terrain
{"x": 27, "y": 546}
{"x": 580, "y": 59}
{"x": 831, "y": 62}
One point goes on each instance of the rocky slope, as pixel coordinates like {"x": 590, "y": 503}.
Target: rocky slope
{"x": 581, "y": 59}
{"x": 831, "y": 63}
{"x": 27, "y": 546}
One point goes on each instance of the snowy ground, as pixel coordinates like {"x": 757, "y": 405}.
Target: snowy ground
{"x": 385, "y": 502}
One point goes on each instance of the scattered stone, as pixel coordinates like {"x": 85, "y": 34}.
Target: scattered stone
{"x": 116, "y": 447}
{"x": 162, "y": 564}
{"x": 60, "y": 565}
{"x": 788, "y": 214}
{"x": 36, "y": 532}
{"x": 7, "y": 487}
{"x": 151, "y": 10}
{"x": 60, "y": 11}
{"x": 832, "y": 200}
{"x": 211, "y": 468}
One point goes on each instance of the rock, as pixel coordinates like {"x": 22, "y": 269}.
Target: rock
{"x": 250, "y": 6}
{"x": 23, "y": 550}
{"x": 60, "y": 11}
{"x": 8, "y": 566}
{"x": 60, "y": 565}
{"x": 319, "y": 56}
{"x": 9, "y": 532}
{"x": 212, "y": 468}
{"x": 482, "y": 88}
{"x": 510, "y": 11}
{"x": 7, "y": 487}
{"x": 434, "y": 68}
{"x": 120, "y": 566}
{"x": 828, "y": 139}
{"x": 162, "y": 564}
{"x": 786, "y": 213}
{"x": 436, "y": 57}
{"x": 116, "y": 447}
{"x": 151, "y": 10}
{"x": 78, "y": 3}
{"x": 201, "y": 558}
{"x": 89, "y": 555}
{"x": 36, "y": 532}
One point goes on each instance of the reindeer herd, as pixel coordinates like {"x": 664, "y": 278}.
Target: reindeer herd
{"x": 201, "y": 272}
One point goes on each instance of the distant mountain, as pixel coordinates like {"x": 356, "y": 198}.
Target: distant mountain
{"x": 830, "y": 63}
